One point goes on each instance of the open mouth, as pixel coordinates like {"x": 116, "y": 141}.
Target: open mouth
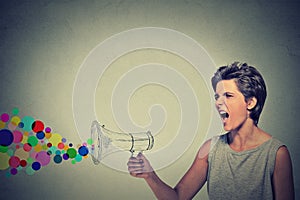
{"x": 224, "y": 114}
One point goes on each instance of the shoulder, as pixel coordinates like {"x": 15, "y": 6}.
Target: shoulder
{"x": 282, "y": 156}
{"x": 208, "y": 145}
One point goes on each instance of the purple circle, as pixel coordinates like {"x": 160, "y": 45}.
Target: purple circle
{"x": 13, "y": 171}
{"x": 5, "y": 117}
{"x": 65, "y": 156}
{"x": 48, "y": 130}
{"x": 43, "y": 158}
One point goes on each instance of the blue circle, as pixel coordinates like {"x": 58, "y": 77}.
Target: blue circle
{"x": 6, "y": 137}
{"x": 40, "y": 135}
{"x": 36, "y": 166}
{"x": 57, "y": 159}
{"x": 21, "y": 125}
{"x": 83, "y": 150}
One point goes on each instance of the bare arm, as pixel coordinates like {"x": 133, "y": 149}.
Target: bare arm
{"x": 283, "y": 183}
{"x": 187, "y": 187}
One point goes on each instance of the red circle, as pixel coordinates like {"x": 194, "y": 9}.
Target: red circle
{"x": 27, "y": 147}
{"x": 38, "y": 126}
{"x": 23, "y": 163}
{"x": 60, "y": 145}
{"x": 14, "y": 161}
{"x": 49, "y": 145}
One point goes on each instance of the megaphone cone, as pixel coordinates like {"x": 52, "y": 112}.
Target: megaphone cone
{"x": 106, "y": 142}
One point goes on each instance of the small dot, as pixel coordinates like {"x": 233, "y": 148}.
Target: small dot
{"x": 21, "y": 125}
{"x": 64, "y": 140}
{"x": 13, "y": 171}
{"x": 48, "y": 130}
{"x": 70, "y": 145}
{"x": 49, "y": 145}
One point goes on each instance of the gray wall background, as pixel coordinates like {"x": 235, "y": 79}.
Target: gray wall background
{"x": 43, "y": 43}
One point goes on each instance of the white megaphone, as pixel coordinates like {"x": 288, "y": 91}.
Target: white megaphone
{"x": 106, "y": 142}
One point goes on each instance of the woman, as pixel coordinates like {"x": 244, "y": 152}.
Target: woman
{"x": 244, "y": 163}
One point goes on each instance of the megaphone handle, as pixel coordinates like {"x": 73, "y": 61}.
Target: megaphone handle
{"x": 135, "y": 153}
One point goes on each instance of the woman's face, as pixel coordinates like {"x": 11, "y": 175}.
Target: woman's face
{"x": 231, "y": 105}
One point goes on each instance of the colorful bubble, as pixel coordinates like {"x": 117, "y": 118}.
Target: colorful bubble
{"x": 83, "y": 150}
{"x": 48, "y": 130}
{"x": 43, "y": 158}
{"x": 4, "y": 117}
{"x": 32, "y": 140}
{"x": 15, "y": 111}
{"x": 26, "y": 145}
{"x": 23, "y": 163}
{"x": 57, "y": 159}
{"x": 55, "y": 139}
{"x": 18, "y": 136}
{"x": 37, "y": 126}
{"x": 14, "y": 161}
{"x": 40, "y": 135}
{"x": 4, "y": 158}
{"x": 13, "y": 171}
{"x": 27, "y": 121}
{"x": 6, "y": 137}
{"x": 36, "y": 166}
{"x": 15, "y": 120}
{"x": 71, "y": 153}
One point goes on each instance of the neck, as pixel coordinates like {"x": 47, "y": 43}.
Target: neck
{"x": 244, "y": 136}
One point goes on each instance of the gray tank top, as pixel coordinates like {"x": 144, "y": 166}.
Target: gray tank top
{"x": 241, "y": 175}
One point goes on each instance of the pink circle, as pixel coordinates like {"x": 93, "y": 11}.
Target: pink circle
{"x": 43, "y": 158}
{"x": 27, "y": 147}
{"x": 48, "y": 130}
{"x": 60, "y": 145}
{"x": 5, "y": 117}
{"x": 18, "y": 136}
{"x": 14, "y": 161}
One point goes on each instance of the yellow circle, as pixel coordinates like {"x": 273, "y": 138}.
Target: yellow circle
{"x": 4, "y": 158}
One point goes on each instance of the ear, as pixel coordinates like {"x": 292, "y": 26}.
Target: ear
{"x": 251, "y": 103}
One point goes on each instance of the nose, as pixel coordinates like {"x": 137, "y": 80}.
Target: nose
{"x": 219, "y": 101}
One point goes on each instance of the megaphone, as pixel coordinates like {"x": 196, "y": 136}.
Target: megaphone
{"x": 105, "y": 142}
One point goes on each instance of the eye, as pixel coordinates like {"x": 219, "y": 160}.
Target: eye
{"x": 228, "y": 95}
{"x": 216, "y": 96}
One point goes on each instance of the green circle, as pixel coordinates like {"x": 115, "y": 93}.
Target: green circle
{"x": 33, "y": 141}
{"x": 73, "y": 162}
{"x": 15, "y": 111}
{"x": 30, "y": 160}
{"x": 3, "y": 149}
{"x": 71, "y": 152}
{"x": 90, "y": 141}
{"x": 29, "y": 171}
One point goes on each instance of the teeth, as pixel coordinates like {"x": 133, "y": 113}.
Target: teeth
{"x": 224, "y": 114}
